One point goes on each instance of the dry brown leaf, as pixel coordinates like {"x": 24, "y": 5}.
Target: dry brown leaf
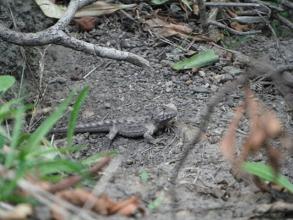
{"x": 20, "y": 212}
{"x": 257, "y": 134}
{"x": 195, "y": 9}
{"x": 239, "y": 27}
{"x": 256, "y": 139}
{"x": 231, "y": 13}
{"x": 271, "y": 124}
{"x": 80, "y": 196}
{"x": 274, "y": 156}
{"x": 167, "y": 29}
{"x": 263, "y": 125}
{"x": 102, "y": 204}
{"x": 227, "y": 144}
{"x": 127, "y": 207}
{"x": 86, "y": 23}
{"x": 97, "y": 8}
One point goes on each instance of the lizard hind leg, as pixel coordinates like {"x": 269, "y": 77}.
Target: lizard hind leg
{"x": 111, "y": 135}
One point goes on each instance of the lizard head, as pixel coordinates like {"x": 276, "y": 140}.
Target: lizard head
{"x": 165, "y": 113}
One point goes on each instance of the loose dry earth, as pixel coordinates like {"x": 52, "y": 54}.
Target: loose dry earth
{"x": 206, "y": 188}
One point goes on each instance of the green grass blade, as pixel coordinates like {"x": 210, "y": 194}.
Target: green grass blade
{"x": 8, "y": 186}
{"x": 6, "y": 137}
{"x": 2, "y": 141}
{"x": 6, "y": 109}
{"x": 45, "y": 168}
{"x": 19, "y": 119}
{"x": 266, "y": 173}
{"x": 45, "y": 127}
{"x": 185, "y": 2}
{"x": 74, "y": 115}
{"x": 196, "y": 61}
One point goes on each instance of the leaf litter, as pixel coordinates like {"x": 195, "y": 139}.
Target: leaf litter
{"x": 264, "y": 126}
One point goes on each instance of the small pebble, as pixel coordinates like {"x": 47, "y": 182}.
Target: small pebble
{"x": 214, "y": 88}
{"x": 107, "y": 105}
{"x": 169, "y": 86}
{"x": 197, "y": 89}
{"x": 129, "y": 162}
{"x": 232, "y": 70}
{"x": 201, "y": 73}
{"x": 188, "y": 82}
{"x": 213, "y": 140}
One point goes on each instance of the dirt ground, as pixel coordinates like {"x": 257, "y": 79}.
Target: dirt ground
{"x": 206, "y": 187}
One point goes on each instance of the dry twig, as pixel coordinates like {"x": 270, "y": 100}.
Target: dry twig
{"x": 57, "y": 35}
{"x": 68, "y": 210}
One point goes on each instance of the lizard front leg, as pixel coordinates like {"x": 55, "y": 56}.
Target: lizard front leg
{"x": 148, "y": 135}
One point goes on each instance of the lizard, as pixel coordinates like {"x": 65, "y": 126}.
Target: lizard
{"x": 133, "y": 127}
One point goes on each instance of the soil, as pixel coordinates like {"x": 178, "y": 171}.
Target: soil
{"x": 206, "y": 188}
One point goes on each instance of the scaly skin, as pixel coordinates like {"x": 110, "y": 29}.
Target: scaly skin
{"x": 129, "y": 127}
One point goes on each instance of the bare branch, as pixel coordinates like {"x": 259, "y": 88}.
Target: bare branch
{"x": 231, "y": 4}
{"x": 68, "y": 16}
{"x": 225, "y": 27}
{"x": 56, "y": 35}
{"x": 285, "y": 21}
{"x": 287, "y": 4}
{"x": 203, "y": 15}
{"x": 48, "y": 36}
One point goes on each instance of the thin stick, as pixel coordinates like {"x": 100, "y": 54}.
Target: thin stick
{"x": 56, "y": 35}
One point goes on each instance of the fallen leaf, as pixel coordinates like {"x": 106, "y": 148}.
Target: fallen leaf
{"x": 272, "y": 124}
{"x": 80, "y": 196}
{"x": 102, "y": 204}
{"x": 20, "y": 212}
{"x": 127, "y": 207}
{"x": 85, "y": 23}
{"x": 95, "y": 9}
{"x": 239, "y": 27}
{"x": 195, "y": 9}
{"x": 274, "y": 156}
{"x": 228, "y": 142}
{"x": 167, "y": 29}
{"x": 201, "y": 59}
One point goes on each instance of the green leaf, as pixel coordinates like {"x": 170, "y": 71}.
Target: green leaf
{"x": 196, "y": 61}
{"x": 144, "y": 176}
{"x": 266, "y": 173}
{"x": 6, "y": 82}
{"x": 156, "y": 203}
{"x": 45, "y": 127}
{"x": 6, "y": 109}
{"x": 159, "y": 2}
{"x": 74, "y": 114}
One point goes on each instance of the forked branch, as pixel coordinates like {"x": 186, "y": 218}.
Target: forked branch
{"x": 56, "y": 35}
